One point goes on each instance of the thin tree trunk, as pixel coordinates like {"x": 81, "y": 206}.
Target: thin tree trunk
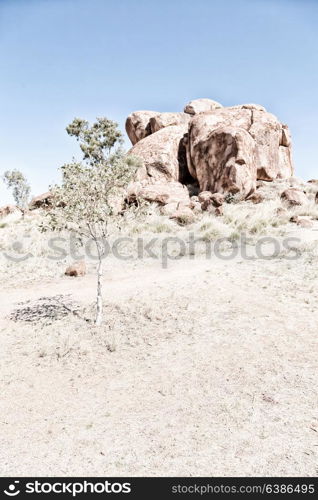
{"x": 99, "y": 301}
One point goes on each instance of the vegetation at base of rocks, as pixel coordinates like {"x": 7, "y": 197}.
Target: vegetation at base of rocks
{"x": 233, "y": 198}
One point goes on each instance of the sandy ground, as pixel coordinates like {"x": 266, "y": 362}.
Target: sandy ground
{"x": 208, "y": 367}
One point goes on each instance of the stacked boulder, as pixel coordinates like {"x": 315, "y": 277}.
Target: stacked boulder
{"x": 217, "y": 149}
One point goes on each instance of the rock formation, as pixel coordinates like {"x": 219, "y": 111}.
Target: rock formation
{"x": 220, "y": 149}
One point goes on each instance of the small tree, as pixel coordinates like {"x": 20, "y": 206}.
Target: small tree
{"x": 89, "y": 188}
{"x": 15, "y": 180}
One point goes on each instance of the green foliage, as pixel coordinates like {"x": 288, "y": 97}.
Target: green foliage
{"x": 15, "y": 180}
{"x": 97, "y": 139}
{"x": 92, "y": 190}
{"x": 233, "y": 198}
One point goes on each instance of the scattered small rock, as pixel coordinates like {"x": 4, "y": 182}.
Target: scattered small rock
{"x": 218, "y": 211}
{"x": 76, "y": 269}
{"x": 169, "y": 209}
{"x": 195, "y": 206}
{"x": 305, "y": 223}
{"x": 217, "y": 199}
{"x": 294, "y": 219}
{"x": 269, "y": 399}
{"x": 206, "y": 198}
{"x": 255, "y": 198}
{"x": 294, "y": 196}
{"x": 281, "y": 212}
{"x": 183, "y": 215}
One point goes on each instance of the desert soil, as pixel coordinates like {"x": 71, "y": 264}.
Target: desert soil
{"x": 206, "y": 368}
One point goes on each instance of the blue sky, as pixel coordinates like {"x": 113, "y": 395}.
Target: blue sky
{"x": 65, "y": 58}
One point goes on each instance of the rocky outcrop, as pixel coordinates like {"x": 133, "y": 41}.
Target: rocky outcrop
{"x": 221, "y": 149}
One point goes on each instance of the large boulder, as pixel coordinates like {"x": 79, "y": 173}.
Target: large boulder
{"x": 272, "y": 145}
{"x": 138, "y": 125}
{"x": 162, "y": 120}
{"x": 201, "y": 106}
{"x": 161, "y": 192}
{"x": 163, "y": 155}
{"x": 200, "y": 128}
{"x": 285, "y": 168}
{"x": 228, "y": 162}
{"x": 266, "y": 131}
